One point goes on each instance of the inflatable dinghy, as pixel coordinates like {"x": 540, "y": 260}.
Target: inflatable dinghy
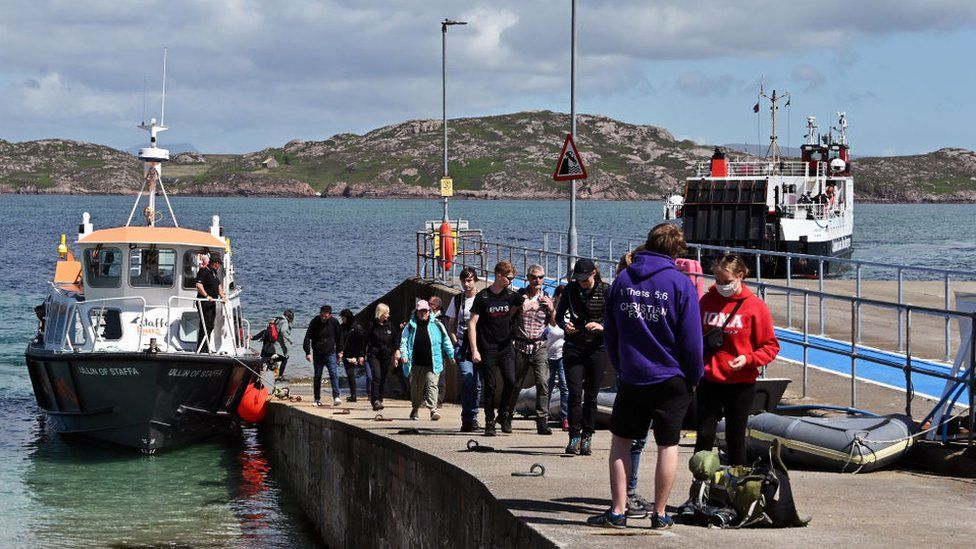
{"x": 525, "y": 405}
{"x": 839, "y": 443}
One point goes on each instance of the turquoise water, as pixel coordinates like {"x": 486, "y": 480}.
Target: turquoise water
{"x": 289, "y": 253}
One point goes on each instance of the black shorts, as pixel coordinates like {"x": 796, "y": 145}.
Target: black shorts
{"x": 637, "y": 405}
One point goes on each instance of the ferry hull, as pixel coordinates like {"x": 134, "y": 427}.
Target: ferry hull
{"x": 139, "y": 400}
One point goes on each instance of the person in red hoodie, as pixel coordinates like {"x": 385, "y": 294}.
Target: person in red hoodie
{"x": 739, "y": 340}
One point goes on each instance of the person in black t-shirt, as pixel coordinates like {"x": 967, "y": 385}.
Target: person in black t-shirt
{"x": 490, "y": 335}
{"x": 209, "y": 287}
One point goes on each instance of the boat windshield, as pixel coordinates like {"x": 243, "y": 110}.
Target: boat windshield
{"x": 152, "y": 267}
{"x": 103, "y": 267}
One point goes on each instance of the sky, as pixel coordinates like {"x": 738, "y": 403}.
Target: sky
{"x": 248, "y": 74}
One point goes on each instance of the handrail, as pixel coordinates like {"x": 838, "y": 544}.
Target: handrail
{"x": 904, "y": 310}
{"x": 226, "y": 324}
{"x": 101, "y": 313}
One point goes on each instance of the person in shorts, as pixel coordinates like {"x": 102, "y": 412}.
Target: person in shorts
{"x": 653, "y": 334}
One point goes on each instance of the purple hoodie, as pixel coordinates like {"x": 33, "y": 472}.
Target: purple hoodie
{"x": 652, "y": 325}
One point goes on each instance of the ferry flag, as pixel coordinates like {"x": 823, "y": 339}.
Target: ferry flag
{"x": 570, "y": 165}
{"x": 755, "y": 108}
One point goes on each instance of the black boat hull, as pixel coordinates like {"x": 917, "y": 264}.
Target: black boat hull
{"x": 140, "y": 400}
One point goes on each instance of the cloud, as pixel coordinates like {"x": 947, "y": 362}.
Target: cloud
{"x": 809, "y": 76}
{"x": 699, "y": 84}
{"x": 245, "y": 74}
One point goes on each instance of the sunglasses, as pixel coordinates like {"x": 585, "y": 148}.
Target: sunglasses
{"x": 536, "y": 277}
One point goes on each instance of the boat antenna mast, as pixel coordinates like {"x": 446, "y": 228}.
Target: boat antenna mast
{"x": 841, "y": 127}
{"x": 152, "y": 165}
{"x": 772, "y": 152}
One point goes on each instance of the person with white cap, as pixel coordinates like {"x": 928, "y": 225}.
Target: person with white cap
{"x": 423, "y": 345}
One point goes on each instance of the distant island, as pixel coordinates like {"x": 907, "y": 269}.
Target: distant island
{"x": 494, "y": 157}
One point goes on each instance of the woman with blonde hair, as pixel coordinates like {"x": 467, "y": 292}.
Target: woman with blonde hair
{"x": 382, "y": 352}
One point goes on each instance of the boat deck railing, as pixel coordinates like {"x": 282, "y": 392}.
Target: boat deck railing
{"x": 763, "y": 168}
{"x": 960, "y": 379}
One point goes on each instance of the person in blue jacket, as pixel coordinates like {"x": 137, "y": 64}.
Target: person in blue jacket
{"x": 653, "y": 333}
{"x": 423, "y": 346}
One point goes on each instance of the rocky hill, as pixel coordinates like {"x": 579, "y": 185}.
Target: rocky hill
{"x": 507, "y": 156}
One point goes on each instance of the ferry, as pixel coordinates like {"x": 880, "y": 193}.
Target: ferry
{"x": 119, "y": 355}
{"x": 803, "y": 206}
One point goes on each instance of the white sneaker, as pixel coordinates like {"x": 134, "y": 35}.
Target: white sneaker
{"x": 434, "y": 416}
{"x": 337, "y": 401}
{"x": 317, "y": 403}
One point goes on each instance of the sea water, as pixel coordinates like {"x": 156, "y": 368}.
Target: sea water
{"x": 288, "y": 253}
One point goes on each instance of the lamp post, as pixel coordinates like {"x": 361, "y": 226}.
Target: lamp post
{"x": 571, "y": 237}
{"x": 444, "y": 24}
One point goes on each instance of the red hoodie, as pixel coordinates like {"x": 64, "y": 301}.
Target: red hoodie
{"x": 749, "y": 333}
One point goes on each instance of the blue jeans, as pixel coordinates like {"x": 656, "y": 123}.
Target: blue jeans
{"x": 635, "y": 453}
{"x": 318, "y": 363}
{"x": 557, "y": 374}
{"x": 470, "y": 391}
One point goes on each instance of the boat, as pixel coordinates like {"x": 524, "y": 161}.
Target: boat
{"x": 840, "y": 443}
{"x": 803, "y": 206}
{"x": 525, "y": 404}
{"x": 116, "y": 356}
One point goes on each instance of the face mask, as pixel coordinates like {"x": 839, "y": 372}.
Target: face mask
{"x": 726, "y": 290}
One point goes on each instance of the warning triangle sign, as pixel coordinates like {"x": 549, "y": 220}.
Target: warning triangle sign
{"x": 570, "y": 165}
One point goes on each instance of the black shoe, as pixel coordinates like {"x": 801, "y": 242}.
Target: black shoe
{"x": 608, "y": 519}
{"x": 586, "y": 443}
{"x": 506, "y": 423}
{"x": 377, "y": 406}
{"x": 661, "y": 522}
{"x": 636, "y": 506}
{"x": 573, "y": 447}
{"x": 475, "y": 425}
{"x": 352, "y": 399}
{"x": 543, "y": 428}
{"x": 490, "y": 429}
{"x": 467, "y": 427}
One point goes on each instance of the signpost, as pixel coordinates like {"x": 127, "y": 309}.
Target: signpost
{"x": 570, "y": 165}
{"x": 447, "y": 187}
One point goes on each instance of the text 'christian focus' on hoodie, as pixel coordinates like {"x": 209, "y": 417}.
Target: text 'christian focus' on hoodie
{"x": 653, "y": 325}
{"x": 749, "y": 332}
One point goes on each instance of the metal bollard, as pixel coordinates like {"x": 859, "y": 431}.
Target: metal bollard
{"x": 537, "y": 470}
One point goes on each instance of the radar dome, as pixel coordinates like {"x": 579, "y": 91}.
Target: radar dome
{"x": 837, "y": 165}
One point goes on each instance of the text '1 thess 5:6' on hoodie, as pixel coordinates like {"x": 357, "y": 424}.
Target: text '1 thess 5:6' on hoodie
{"x": 653, "y": 324}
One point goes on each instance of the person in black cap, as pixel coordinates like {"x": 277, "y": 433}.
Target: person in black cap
{"x": 209, "y": 289}
{"x": 580, "y": 314}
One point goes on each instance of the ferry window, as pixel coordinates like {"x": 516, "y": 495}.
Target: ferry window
{"x": 107, "y": 323}
{"x": 191, "y": 264}
{"x": 152, "y": 267}
{"x": 103, "y": 267}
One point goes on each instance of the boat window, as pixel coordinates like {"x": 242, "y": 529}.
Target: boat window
{"x": 103, "y": 267}
{"x": 152, "y": 267}
{"x": 192, "y": 261}
{"x": 189, "y": 322}
{"x": 76, "y": 330}
{"x": 106, "y": 322}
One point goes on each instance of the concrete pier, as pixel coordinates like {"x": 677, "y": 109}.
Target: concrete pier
{"x": 402, "y": 483}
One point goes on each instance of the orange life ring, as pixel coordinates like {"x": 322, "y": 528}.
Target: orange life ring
{"x": 447, "y": 245}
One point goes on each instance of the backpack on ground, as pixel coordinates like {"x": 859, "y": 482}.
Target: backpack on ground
{"x": 741, "y": 496}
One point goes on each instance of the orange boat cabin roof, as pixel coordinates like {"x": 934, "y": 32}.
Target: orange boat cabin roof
{"x": 152, "y": 235}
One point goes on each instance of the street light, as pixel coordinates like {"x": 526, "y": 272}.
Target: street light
{"x": 571, "y": 237}
{"x": 444, "y": 24}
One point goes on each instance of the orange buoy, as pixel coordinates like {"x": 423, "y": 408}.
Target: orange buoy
{"x": 254, "y": 404}
{"x": 447, "y": 245}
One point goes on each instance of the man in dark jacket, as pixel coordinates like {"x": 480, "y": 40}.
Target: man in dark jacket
{"x": 653, "y": 333}
{"x": 323, "y": 344}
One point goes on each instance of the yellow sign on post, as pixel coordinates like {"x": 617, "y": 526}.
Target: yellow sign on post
{"x": 447, "y": 186}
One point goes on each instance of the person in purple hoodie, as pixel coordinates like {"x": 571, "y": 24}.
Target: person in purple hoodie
{"x": 653, "y": 334}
